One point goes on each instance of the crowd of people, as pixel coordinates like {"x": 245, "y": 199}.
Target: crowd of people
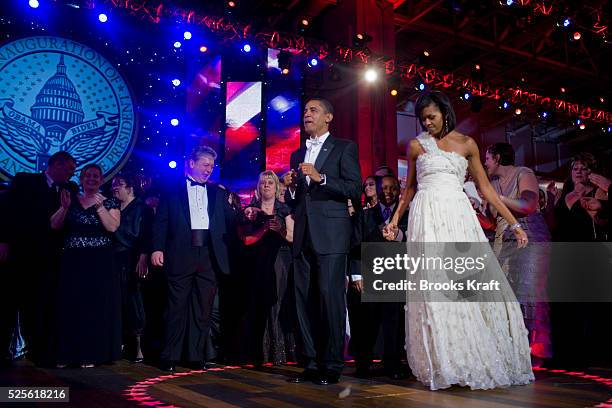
{"x": 193, "y": 276}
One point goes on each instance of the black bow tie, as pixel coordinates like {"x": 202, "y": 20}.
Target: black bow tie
{"x": 195, "y": 183}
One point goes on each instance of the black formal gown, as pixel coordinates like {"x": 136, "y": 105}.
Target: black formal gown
{"x": 89, "y": 297}
{"x": 269, "y": 315}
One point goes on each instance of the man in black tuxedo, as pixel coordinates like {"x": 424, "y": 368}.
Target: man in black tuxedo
{"x": 32, "y": 250}
{"x": 193, "y": 230}
{"x": 326, "y": 174}
{"x": 366, "y": 318}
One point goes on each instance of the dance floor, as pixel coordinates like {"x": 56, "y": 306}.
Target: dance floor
{"x": 129, "y": 385}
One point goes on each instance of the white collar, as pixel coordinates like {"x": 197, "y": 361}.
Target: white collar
{"x": 321, "y": 138}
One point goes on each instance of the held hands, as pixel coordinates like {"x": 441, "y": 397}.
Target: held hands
{"x": 65, "y": 199}
{"x": 308, "y": 169}
{"x": 390, "y": 231}
{"x": 521, "y": 237}
{"x": 157, "y": 258}
{"x": 357, "y": 285}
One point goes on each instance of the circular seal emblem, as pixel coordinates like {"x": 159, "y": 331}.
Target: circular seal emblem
{"x": 58, "y": 94}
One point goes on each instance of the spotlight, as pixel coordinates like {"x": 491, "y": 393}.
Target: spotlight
{"x": 176, "y": 82}
{"x": 563, "y": 90}
{"x": 103, "y": 18}
{"x": 582, "y": 126}
{"x": 577, "y": 35}
{"x": 464, "y": 94}
{"x": 371, "y": 75}
{"x": 566, "y": 22}
{"x": 477, "y": 67}
{"x": 231, "y": 4}
{"x": 284, "y": 62}
{"x": 509, "y": 2}
{"x": 187, "y": 35}
{"x": 543, "y": 114}
{"x": 313, "y": 62}
{"x": 426, "y": 53}
{"x": 503, "y": 104}
{"x": 518, "y": 111}
{"x": 578, "y": 121}
{"x": 421, "y": 86}
{"x": 33, "y": 3}
{"x": 246, "y": 48}
{"x": 203, "y": 48}
{"x": 172, "y": 164}
{"x": 305, "y": 22}
{"x": 394, "y": 92}
{"x": 174, "y": 122}
{"x": 602, "y": 99}
{"x": 609, "y": 129}
{"x": 177, "y": 44}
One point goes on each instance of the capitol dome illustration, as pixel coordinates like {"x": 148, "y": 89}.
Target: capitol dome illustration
{"x": 58, "y": 105}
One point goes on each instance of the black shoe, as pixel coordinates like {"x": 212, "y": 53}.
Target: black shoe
{"x": 400, "y": 373}
{"x": 328, "y": 378}
{"x": 205, "y": 365}
{"x": 363, "y": 372}
{"x": 305, "y": 376}
{"x": 169, "y": 366}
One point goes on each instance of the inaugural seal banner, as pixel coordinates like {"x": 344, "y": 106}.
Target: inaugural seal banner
{"x": 58, "y": 94}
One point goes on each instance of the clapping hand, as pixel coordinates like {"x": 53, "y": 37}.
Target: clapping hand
{"x": 590, "y": 203}
{"x": 99, "y": 200}
{"x": 65, "y": 199}
{"x": 600, "y": 181}
{"x": 250, "y": 213}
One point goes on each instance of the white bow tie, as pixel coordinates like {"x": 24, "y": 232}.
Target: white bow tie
{"x": 310, "y": 143}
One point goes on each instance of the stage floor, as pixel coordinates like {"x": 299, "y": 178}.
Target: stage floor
{"x": 127, "y": 385}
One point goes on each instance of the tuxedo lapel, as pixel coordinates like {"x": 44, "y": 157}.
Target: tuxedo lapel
{"x": 211, "y": 193}
{"x": 184, "y": 200}
{"x": 325, "y": 151}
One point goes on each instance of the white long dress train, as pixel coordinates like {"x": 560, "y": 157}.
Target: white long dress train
{"x": 477, "y": 344}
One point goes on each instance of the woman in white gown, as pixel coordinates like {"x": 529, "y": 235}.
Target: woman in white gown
{"x": 477, "y": 344}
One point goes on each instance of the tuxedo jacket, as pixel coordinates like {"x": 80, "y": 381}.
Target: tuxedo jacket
{"x": 26, "y": 217}
{"x": 172, "y": 227}
{"x": 323, "y": 209}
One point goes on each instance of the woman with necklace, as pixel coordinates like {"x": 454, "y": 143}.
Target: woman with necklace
{"x": 267, "y": 237}
{"x": 88, "y": 309}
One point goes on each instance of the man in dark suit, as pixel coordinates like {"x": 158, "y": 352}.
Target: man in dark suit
{"x": 192, "y": 233}
{"x": 32, "y": 250}
{"x": 326, "y": 174}
{"x": 366, "y": 318}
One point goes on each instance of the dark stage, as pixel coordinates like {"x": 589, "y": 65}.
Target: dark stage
{"x": 125, "y": 384}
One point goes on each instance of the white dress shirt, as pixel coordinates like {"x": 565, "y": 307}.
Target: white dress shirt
{"x": 198, "y": 206}
{"x": 313, "y": 152}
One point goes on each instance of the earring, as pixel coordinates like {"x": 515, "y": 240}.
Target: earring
{"x": 445, "y": 127}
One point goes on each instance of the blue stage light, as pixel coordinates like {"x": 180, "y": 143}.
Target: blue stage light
{"x": 313, "y": 62}
{"x": 421, "y": 86}
{"x": 174, "y": 122}
{"x": 33, "y": 3}
{"x": 177, "y": 44}
{"x": 176, "y": 82}
{"x": 172, "y": 164}
{"x": 566, "y": 22}
{"x": 509, "y": 2}
{"x": 246, "y": 48}
{"x": 102, "y": 17}
{"x": 187, "y": 35}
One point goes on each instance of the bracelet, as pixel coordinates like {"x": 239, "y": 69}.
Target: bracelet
{"x": 516, "y": 226}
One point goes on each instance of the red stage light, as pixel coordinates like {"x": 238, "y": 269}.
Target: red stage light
{"x": 577, "y": 35}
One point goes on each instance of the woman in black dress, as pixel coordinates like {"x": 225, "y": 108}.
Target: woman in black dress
{"x": 132, "y": 246}
{"x": 267, "y": 236}
{"x": 88, "y": 308}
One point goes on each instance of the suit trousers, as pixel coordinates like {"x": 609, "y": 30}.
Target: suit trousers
{"x": 191, "y": 294}
{"x": 319, "y": 282}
